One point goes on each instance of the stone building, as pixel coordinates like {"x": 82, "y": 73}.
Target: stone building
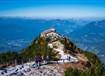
{"x": 51, "y": 34}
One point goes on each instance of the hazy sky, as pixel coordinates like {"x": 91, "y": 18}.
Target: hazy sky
{"x": 52, "y": 8}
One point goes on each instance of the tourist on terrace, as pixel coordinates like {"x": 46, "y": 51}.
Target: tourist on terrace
{"x": 68, "y": 58}
{"x": 38, "y": 60}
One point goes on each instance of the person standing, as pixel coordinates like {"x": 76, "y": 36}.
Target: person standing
{"x": 69, "y": 58}
{"x": 38, "y": 60}
{"x": 36, "y": 63}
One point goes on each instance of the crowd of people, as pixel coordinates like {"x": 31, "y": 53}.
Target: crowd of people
{"x": 40, "y": 59}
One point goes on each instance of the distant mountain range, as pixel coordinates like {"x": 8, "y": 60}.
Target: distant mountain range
{"x": 92, "y": 36}
{"x": 18, "y": 33}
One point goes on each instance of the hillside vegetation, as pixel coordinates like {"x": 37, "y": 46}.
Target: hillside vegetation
{"x": 38, "y": 47}
{"x": 97, "y": 68}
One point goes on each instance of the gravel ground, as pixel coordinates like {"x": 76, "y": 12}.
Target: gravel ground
{"x": 26, "y": 70}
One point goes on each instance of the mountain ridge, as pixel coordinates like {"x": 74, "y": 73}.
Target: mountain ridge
{"x": 61, "y": 47}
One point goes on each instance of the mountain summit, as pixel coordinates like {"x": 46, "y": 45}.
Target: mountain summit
{"x": 55, "y": 46}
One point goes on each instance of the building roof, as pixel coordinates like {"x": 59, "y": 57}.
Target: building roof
{"x": 50, "y": 30}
